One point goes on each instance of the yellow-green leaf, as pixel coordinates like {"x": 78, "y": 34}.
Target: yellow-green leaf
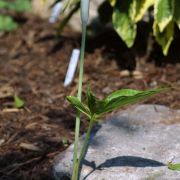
{"x": 139, "y": 8}
{"x": 163, "y": 13}
{"x": 112, "y": 2}
{"x": 123, "y": 23}
{"x": 164, "y": 38}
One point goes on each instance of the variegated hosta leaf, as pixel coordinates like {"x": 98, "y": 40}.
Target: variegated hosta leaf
{"x": 112, "y": 2}
{"x": 122, "y": 22}
{"x": 177, "y": 12}
{"x": 164, "y": 38}
{"x": 163, "y": 13}
{"x": 139, "y": 8}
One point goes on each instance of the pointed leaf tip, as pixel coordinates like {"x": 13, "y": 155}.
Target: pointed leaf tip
{"x": 18, "y": 102}
{"x": 77, "y": 104}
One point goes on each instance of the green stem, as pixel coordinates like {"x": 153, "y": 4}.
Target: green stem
{"x": 86, "y": 141}
{"x": 83, "y": 150}
{"x": 81, "y": 71}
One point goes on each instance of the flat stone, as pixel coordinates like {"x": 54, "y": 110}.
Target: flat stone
{"x": 134, "y": 144}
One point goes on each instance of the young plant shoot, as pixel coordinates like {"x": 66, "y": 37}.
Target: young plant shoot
{"x": 94, "y": 108}
{"x": 84, "y": 20}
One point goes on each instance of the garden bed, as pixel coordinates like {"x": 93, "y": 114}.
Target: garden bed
{"x": 33, "y": 64}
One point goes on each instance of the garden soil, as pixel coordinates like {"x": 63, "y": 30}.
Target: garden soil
{"x": 33, "y": 64}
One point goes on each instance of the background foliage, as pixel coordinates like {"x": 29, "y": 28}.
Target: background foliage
{"x": 7, "y": 22}
{"x": 125, "y": 15}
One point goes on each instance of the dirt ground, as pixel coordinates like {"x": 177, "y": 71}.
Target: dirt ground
{"x": 33, "y": 64}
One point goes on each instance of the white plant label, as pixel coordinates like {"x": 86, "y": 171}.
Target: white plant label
{"x": 56, "y": 10}
{"x": 72, "y": 67}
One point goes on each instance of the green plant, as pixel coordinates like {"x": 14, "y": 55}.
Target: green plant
{"x": 174, "y": 167}
{"x": 94, "y": 108}
{"x": 18, "y": 102}
{"x": 65, "y": 142}
{"x": 6, "y": 21}
{"x": 126, "y": 14}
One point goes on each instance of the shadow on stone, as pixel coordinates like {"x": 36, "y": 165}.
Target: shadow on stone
{"x": 131, "y": 161}
{"x": 61, "y": 176}
{"x": 124, "y": 124}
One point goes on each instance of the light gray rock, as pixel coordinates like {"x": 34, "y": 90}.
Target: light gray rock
{"x": 134, "y": 144}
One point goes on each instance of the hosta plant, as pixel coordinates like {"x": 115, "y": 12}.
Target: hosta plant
{"x": 6, "y": 21}
{"x": 125, "y": 15}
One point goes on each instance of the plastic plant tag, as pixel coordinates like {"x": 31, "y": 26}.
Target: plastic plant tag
{"x": 55, "y": 12}
{"x": 72, "y": 67}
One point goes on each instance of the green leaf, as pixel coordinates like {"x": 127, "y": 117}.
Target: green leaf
{"x": 91, "y": 101}
{"x": 75, "y": 102}
{"x": 96, "y": 108}
{"x": 112, "y": 2}
{"x": 163, "y": 13}
{"x": 65, "y": 142}
{"x": 177, "y": 12}
{"x": 175, "y": 167}
{"x": 18, "y": 102}
{"x": 20, "y": 5}
{"x": 7, "y": 23}
{"x": 3, "y": 4}
{"x": 123, "y": 23}
{"x": 139, "y": 8}
{"x": 125, "y": 97}
{"x": 164, "y": 38}
{"x": 122, "y": 92}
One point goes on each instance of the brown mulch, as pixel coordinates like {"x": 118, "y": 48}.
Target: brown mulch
{"x": 33, "y": 63}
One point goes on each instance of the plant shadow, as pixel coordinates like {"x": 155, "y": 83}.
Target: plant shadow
{"x": 121, "y": 161}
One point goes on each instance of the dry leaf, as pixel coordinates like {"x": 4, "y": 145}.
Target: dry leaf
{"x": 30, "y": 147}
{"x": 10, "y": 110}
{"x": 6, "y": 91}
